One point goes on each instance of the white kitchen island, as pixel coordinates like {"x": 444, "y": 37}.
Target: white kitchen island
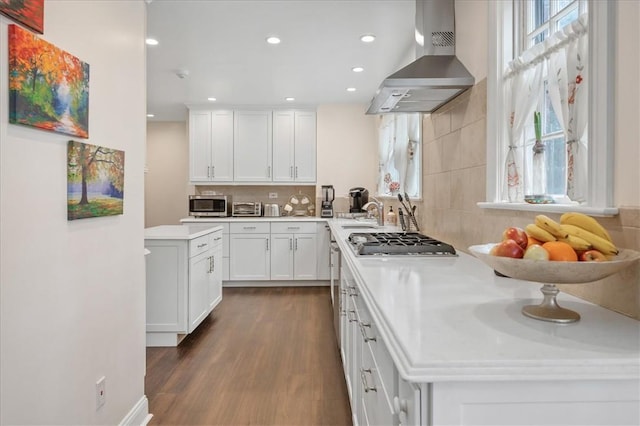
{"x": 184, "y": 280}
{"x": 442, "y": 341}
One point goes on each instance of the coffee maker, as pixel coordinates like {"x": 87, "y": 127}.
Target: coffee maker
{"x": 328, "y": 195}
{"x": 358, "y": 197}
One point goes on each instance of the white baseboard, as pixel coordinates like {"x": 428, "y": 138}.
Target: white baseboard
{"x": 139, "y": 414}
{"x": 309, "y": 283}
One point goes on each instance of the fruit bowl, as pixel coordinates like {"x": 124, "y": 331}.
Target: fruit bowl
{"x": 552, "y": 273}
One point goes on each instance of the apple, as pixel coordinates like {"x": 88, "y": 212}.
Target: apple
{"x": 593, "y": 256}
{"x": 536, "y": 252}
{"x": 516, "y": 234}
{"x": 507, "y": 248}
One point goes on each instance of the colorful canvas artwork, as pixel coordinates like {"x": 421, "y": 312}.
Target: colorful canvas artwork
{"x": 29, "y": 13}
{"x": 48, "y": 87}
{"x": 95, "y": 181}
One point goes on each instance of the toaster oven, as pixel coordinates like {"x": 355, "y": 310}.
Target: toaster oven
{"x": 209, "y": 205}
{"x": 247, "y": 209}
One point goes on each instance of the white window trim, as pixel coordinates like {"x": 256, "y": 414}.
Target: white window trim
{"x": 601, "y": 109}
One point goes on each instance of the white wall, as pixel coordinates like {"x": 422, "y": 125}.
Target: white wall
{"x": 347, "y": 148}
{"x": 72, "y": 294}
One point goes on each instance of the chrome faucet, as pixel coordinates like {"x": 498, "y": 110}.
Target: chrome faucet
{"x": 379, "y": 207}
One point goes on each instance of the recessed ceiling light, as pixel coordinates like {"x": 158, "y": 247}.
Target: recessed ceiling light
{"x": 273, "y": 40}
{"x": 357, "y": 69}
{"x": 211, "y": 99}
{"x": 351, "y": 89}
{"x": 150, "y": 115}
{"x": 290, "y": 99}
{"x": 151, "y": 41}
{"x": 367, "y": 38}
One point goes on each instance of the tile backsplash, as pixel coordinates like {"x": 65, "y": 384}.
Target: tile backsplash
{"x": 454, "y": 179}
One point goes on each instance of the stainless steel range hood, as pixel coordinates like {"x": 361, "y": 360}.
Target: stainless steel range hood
{"x": 437, "y": 76}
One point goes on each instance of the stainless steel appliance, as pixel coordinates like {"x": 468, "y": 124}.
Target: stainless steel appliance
{"x": 249, "y": 208}
{"x": 358, "y": 197}
{"x": 398, "y": 244}
{"x": 271, "y": 210}
{"x": 209, "y": 205}
{"x": 328, "y": 195}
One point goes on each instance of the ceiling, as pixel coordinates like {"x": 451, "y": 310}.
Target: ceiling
{"x": 219, "y": 47}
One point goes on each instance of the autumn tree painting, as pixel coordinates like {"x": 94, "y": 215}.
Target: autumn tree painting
{"x": 28, "y": 12}
{"x": 95, "y": 181}
{"x": 48, "y": 87}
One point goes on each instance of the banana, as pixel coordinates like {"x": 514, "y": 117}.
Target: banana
{"x": 538, "y": 233}
{"x": 551, "y": 226}
{"x": 598, "y": 243}
{"x": 576, "y": 243}
{"x": 585, "y": 222}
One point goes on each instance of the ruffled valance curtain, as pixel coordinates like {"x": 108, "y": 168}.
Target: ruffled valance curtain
{"x": 563, "y": 57}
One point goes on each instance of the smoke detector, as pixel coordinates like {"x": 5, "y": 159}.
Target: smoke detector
{"x": 182, "y": 74}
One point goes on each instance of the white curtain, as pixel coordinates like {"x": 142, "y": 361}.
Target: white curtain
{"x": 399, "y": 172}
{"x": 523, "y": 84}
{"x": 568, "y": 91}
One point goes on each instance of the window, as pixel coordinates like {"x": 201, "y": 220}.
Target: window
{"x": 552, "y": 57}
{"x": 399, "y": 167}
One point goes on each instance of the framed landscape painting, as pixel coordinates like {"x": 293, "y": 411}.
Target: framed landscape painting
{"x": 95, "y": 181}
{"x": 48, "y": 87}
{"x": 29, "y": 13}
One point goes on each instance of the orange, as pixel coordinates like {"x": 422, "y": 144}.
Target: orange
{"x": 560, "y": 251}
{"x": 532, "y": 241}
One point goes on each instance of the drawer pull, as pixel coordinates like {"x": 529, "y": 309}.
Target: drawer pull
{"x": 350, "y": 318}
{"x": 217, "y": 238}
{"x": 202, "y": 245}
{"x": 364, "y": 332}
{"x": 293, "y": 227}
{"x": 353, "y": 291}
{"x": 248, "y": 227}
{"x": 365, "y": 383}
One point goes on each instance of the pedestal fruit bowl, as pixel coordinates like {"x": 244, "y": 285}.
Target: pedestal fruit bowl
{"x": 551, "y": 273}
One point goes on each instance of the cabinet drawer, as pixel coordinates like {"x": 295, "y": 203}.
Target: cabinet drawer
{"x": 198, "y": 245}
{"x": 250, "y": 228}
{"x": 377, "y": 407}
{"x": 293, "y": 228}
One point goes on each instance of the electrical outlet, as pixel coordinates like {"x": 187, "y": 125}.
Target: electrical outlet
{"x": 273, "y": 195}
{"x": 101, "y": 392}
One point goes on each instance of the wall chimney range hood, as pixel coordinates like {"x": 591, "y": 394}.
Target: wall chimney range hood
{"x": 433, "y": 79}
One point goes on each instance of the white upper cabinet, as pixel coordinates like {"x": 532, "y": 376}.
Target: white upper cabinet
{"x": 211, "y": 146}
{"x": 252, "y": 146}
{"x": 294, "y": 146}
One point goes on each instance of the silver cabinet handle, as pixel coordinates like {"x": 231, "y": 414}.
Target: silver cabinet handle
{"x": 296, "y": 176}
{"x": 296, "y": 245}
{"x": 208, "y": 171}
{"x": 350, "y": 318}
{"x": 366, "y": 338}
{"x": 248, "y": 227}
{"x": 213, "y": 171}
{"x": 217, "y": 238}
{"x": 363, "y": 377}
{"x": 267, "y": 240}
{"x": 202, "y": 245}
{"x": 353, "y": 290}
{"x": 268, "y": 171}
{"x": 293, "y": 227}
{"x": 290, "y": 244}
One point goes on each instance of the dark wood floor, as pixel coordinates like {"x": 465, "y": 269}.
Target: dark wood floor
{"x": 265, "y": 356}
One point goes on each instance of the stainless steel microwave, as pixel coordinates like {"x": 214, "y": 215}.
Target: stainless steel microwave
{"x": 209, "y": 205}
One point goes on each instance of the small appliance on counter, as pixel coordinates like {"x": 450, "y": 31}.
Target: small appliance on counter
{"x": 249, "y": 208}
{"x": 209, "y": 205}
{"x": 358, "y": 197}
{"x": 328, "y": 195}
{"x": 271, "y": 210}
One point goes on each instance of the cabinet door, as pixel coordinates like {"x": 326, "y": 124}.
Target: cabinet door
{"x": 215, "y": 277}
{"x": 198, "y": 289}
{"x": 283, "y": 146}
{"x": 200, "y": 146}
{"x": 281, "y": 256}
{"x": 305, "y": 146}
{"x": 252, "y": 146}
{"x": 305, "y": 257}
{"x": 323, "y": 240}
{"x": 221, "y": 146}
{"x": 249, "y": 257}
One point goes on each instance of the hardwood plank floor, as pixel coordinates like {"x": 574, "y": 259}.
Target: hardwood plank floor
{"x": 265, "y": 356}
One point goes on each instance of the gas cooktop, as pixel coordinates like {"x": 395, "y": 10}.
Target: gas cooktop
{"x": 398, "y": 243}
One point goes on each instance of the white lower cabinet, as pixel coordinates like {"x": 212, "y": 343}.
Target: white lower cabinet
{"x": 182, "y": 285}
{"x": 294, "y": 251}
{"x": 249, "y": 251}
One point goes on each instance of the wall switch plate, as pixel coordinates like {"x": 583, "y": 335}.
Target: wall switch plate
{"x": 101, "y": 393}
{"x": 273, "y": 195}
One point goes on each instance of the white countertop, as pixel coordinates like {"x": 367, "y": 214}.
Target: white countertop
{"x": 176, "y": 232}
{"x": 453, "y": 319}
{"x": 192, "y": 219}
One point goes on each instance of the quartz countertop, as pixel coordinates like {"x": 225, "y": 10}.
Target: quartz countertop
{"x": 176, "y": 232}
{"x": 453, "y": 319}
{"x": 192, "y": 219}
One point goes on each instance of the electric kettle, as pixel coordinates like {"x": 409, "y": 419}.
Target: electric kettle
{"x": 271, "y": 210}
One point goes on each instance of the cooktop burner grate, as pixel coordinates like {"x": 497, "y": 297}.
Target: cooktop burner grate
{"x": 398, "y": 243}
